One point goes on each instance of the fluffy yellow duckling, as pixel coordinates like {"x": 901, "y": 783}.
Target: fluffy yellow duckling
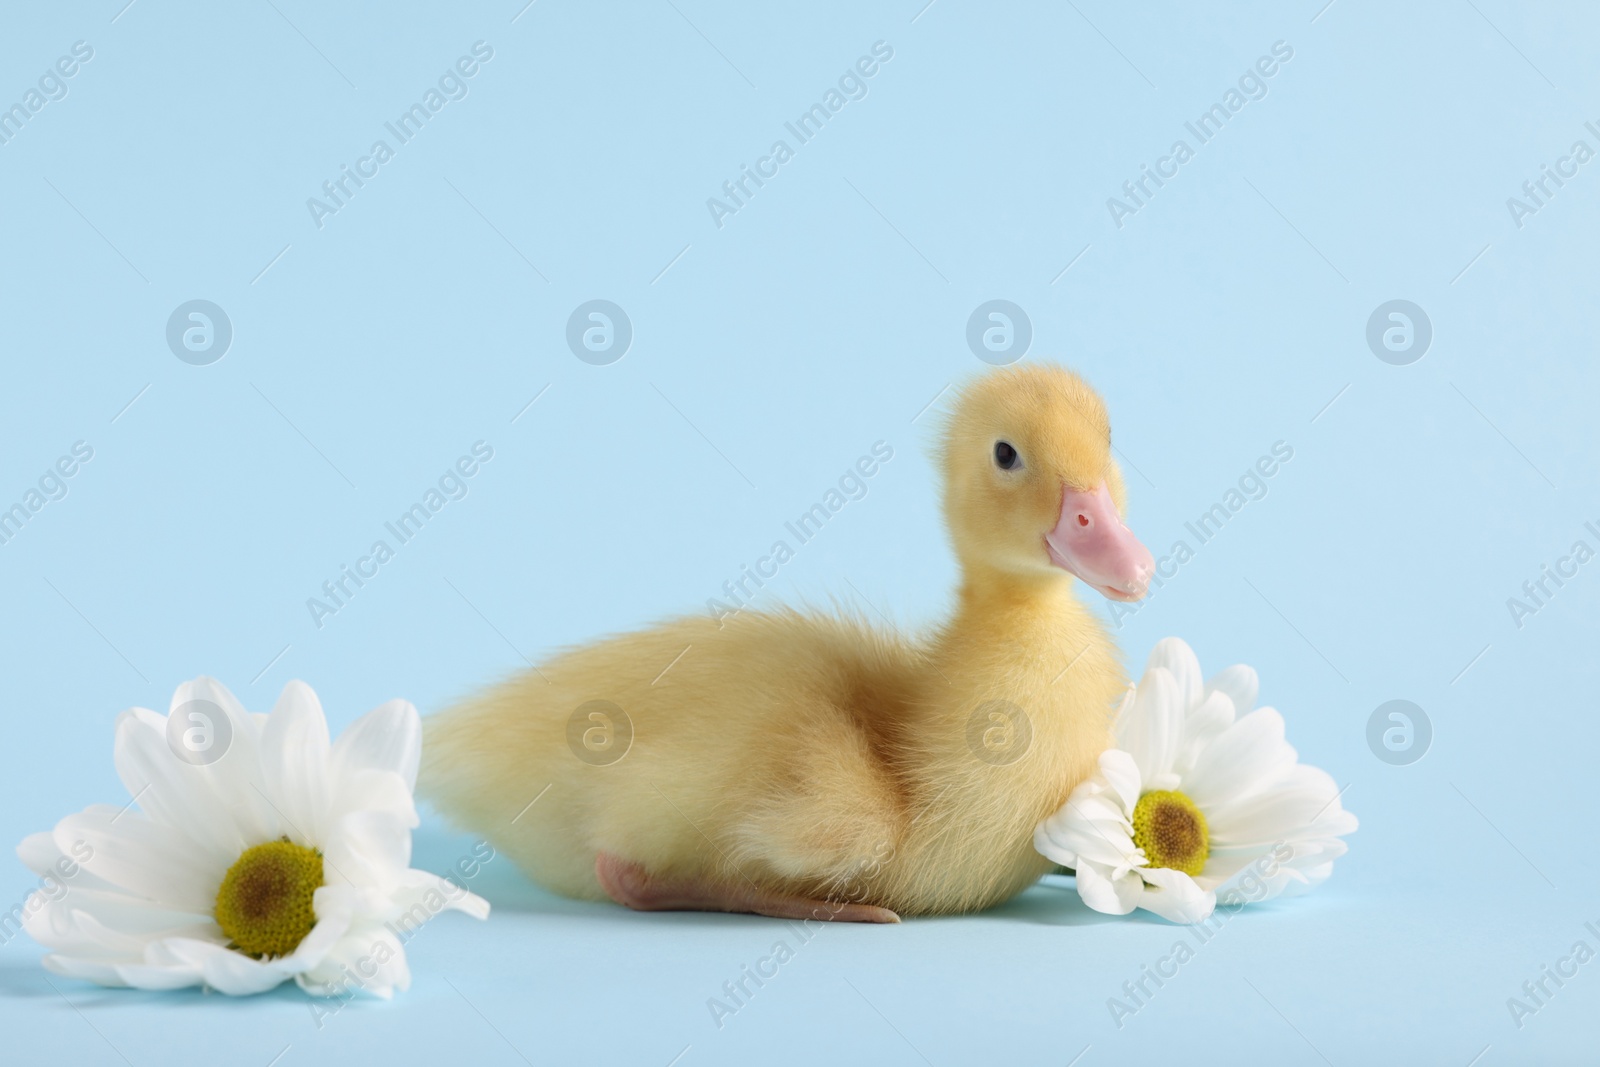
{"x": 808, "y": 765}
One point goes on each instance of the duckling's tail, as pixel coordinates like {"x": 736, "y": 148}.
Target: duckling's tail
{"x": 487, "y": 767}
{"x": 461, "y": 775}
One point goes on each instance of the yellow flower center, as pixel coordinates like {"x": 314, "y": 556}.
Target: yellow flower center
{"x": 1172, "y": 832}
{"x": 264, "y": 905}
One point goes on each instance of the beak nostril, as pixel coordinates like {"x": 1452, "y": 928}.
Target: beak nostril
{"x": 1091, "y": 542}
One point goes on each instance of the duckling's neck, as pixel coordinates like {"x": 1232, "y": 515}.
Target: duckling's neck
{"x": 993, "y": 602}
{"x": 1030, "y": 643}
{"x": 1016, "y": 634}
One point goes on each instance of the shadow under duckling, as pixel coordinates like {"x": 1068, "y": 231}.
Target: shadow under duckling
{"x": 811, "y": 765}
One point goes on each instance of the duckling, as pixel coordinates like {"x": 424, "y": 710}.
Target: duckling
{"x": 810, "y": 765}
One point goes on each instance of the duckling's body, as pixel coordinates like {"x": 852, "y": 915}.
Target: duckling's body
{"x": 781, "y": 759}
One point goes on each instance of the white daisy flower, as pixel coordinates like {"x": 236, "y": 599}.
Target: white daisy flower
{"x": 1200, "y": 791}
{"x": 258, "y": 851}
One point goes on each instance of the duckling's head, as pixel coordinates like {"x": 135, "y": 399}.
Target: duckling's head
{"x": 1031, "y": 488}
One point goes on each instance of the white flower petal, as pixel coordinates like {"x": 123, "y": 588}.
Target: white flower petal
{"x": 1053, "y": 848}
{"x": 322, "y": 939}
{"x": 1074, "y": 841}
{"x": 170, "y": 790}
{"x": 174, "y": 962}
{"x": 38, "y": 852}
{"x": 217, "y": 966}
{"x": 145, "y": 858}
{"x": 1204, "y": 723}
{"x": 1150, "y": 726}
{"x": 1239, "y": 683}
{"x": 1122, "y": 775}
{"x": 99, "y": 971}
{"x": 1102, "y": 806}
{"x": 294, "y": 761}
{"x": 230, "y": 783}
{"x": 213, "y": 692}
{"x": 367, "y": 849}
{"x": 1093, "y": 823}
{"x": 369, "y": 958}
{"x": 1175, "y": 897}
{"x": 1107, "y": 892}
{"x": 436, "y": 894}
{"x": 1298, "y": 881}
{"x": 1243, "y": 760}
{"x": 160, "y": 978}
{"x": 40, "y": 855}
{"x": 1174, "y": 655}
{"x": 1221, "y": 867}
{"x": 84, "y": 918}
{"x": 387, "y": 738}
{"x": 1303, "y": 804}
{"x": 363, "y": 790}
{"x": 69, "y": 928}
{"x": 1308, "y": 868}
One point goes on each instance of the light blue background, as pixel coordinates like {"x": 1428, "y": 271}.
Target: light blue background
{"x": 827, "y": 314}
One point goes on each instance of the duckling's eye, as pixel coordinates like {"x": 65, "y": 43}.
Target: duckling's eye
{"x": 1005, "y": 457}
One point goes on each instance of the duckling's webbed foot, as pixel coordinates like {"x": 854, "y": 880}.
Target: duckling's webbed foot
{"x": 629, "y": 884}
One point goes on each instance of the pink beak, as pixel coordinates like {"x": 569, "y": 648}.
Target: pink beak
{"x": 1090, "y": 541}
